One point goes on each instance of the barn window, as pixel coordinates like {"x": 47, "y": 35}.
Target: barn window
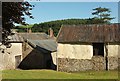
{"x": 98, "y": 49}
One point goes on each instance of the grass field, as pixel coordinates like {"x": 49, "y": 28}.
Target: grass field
{"x": 50, "y": 74}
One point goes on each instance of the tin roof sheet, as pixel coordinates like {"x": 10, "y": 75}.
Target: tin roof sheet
{"x": 89, "y": 33}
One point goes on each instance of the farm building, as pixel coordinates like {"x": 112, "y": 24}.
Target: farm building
{"x": 39, "y": 51}
{"x": 11, "y": 55}
{"x": 88, "y": 47}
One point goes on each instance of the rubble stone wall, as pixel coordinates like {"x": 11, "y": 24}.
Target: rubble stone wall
{"x": 113, "y": 63}
{"x": 96, "y": 63}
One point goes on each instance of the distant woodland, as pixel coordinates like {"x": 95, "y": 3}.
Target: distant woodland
{"x": 101, "y": 16}
{"x": 55, "y": 25}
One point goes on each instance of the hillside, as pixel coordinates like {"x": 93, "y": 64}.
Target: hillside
{"x": 55, "y": 25}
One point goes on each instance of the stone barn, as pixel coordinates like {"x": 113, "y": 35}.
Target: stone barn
{"x": 39, "y": 51}
{"x": 11, "y": 55}
{"x": 88, "y": 47}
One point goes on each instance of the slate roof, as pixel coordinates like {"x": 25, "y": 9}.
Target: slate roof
{"x": 16, "y": 38}
{"x": 49, "y": 45}
{"x": 89, "y": 33}
{"x": 34, "y": 36}
{"x": 40, "y": 41}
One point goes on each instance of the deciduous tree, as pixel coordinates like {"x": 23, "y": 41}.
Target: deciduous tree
{"x": 14, "y": 12}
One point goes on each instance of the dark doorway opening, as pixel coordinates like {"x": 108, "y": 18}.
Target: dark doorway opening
{"x": 48, "y": 63}
{"x": 98, "y": 49}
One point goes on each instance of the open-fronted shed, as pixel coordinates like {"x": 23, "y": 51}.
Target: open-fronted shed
{"x": 39, "y": 51}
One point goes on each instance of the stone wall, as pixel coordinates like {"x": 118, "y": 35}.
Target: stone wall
{"x": 96, "y": 63}
{"x": 81, "y": 57}
{"x": 112, "y": 63}
{"x": 74, "y": 65}
{"x": 113, "y": 55}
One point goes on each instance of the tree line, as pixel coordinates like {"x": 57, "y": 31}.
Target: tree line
{"x": 55, "y": 25}
{"x": 101, "y": 16}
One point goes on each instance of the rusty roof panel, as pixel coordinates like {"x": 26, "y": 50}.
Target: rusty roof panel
{"x": 89, "y": 33}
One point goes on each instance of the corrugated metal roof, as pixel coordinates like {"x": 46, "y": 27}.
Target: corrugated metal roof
{"x": 49, "y": 45}
{"x": 15, "y": 38}
{"x": 89, "y": 33}
{"x": 34, "y": 36}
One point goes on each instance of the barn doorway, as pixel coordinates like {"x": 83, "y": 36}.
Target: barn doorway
{"x": 98, "y": 49}
{"x": 48, "y": 63}
{"x": 98, "y": 60}
{"x": 17, "y": 60}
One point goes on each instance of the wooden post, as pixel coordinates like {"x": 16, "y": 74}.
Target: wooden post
{"x": 106, "y": 57}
